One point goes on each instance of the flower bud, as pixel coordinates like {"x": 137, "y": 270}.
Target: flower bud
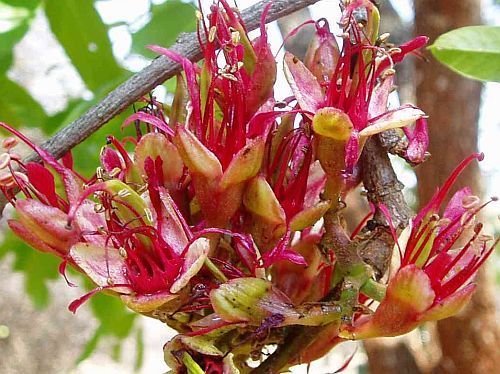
{"x": 196, "y": 156}
{"x": 259, "y": 199}
{"x": 262, "y": 79}
{"x": 245, "y": 164}
{"x": 257, "y": 302}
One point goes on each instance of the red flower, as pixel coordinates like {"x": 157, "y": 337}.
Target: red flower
{"x": 219, "y": 142}
{"x": 346, "y": 92}
{"x": 136, "y": 244}
{"x": 434, "y": 279}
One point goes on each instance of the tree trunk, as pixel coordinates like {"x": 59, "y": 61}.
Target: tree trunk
{"x": 390, "y": 356}
{"x": 470, "y": 341}
{"x": 452, "y": 102}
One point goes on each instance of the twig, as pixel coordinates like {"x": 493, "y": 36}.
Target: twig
{"x": 144, "y": 81}
{"x": 296, "y": 340}
{"x": 382, "y": 185}
{"x": 383, "y": 189}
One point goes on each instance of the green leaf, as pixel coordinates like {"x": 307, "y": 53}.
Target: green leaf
{"x": 38, "y": 268}
{"x": 7, "y": 42}
{"x": 83, "y": 35}
{"x": 91, "y": 346}
{"x": 86, "y": 154}
{"x": 472, "y": 51}
{"x": 28, "y": 4}
{"x": 116, "y": 351}
{"x": 168, "y": 20}
{"x": 17, "y": 107}
{"x": 19, "y": 19}
{"x": 114, "y": 318}
{"x": 139, "y": 355}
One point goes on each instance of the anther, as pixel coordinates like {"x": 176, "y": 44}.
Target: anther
{"x": 6, "y": 179}
{"x": 235, "y": 37}
{"x": 478, "y": 227}
{"x": 395, "y": 50}
{"x": 99, "y": 173}
{"x": 4, "y": 160}
{"x": 467, "y": 220}
{"x": 470, "y": 202}
{"x": 9, "y": 143}
{"x": 21, "y": 176}
{"x": 384, "y": 37}
{"x": 229, "y": 76}
{"x": 122, "y": 252}
{"x": 211, "y": 34}
{"x": 389, "y": 72}
{"x": 443, "y": 222}
{"x": 485, "y": 238}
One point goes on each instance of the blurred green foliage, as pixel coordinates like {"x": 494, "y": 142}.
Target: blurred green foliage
{"x": 167, "y": 21}
{"x": 78, "y": 27}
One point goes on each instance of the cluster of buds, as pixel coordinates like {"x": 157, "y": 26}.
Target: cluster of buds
{"x": 210, "y": 218}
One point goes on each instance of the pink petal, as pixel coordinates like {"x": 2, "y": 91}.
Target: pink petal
{"x": 194, "y": 90}
{"x": 419, "y": 141}
{"x": 315, "y": 184}
{"x": 173, "y": 228}
{"x": 30, "y": 238}
{"x": 48, "y": 223}
{"x": 393, "y": 119}
{"x": 455, "y": 207}
{"x": 304, "y": 85}
{"x": 193, "y": 262}
{"x": 380, "y": 97}
{"x": 104, "y": 265}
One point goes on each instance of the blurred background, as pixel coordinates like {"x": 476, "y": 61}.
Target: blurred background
{"x": 59, "y": 57}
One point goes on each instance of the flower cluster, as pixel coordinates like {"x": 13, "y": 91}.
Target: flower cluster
{"x": 210, "y": 218}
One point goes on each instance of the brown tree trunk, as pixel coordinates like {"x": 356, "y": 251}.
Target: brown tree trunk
{"x": 388, "y": 357}
{"x": 470, "y": 341}
{"x": 452, "y": 102}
